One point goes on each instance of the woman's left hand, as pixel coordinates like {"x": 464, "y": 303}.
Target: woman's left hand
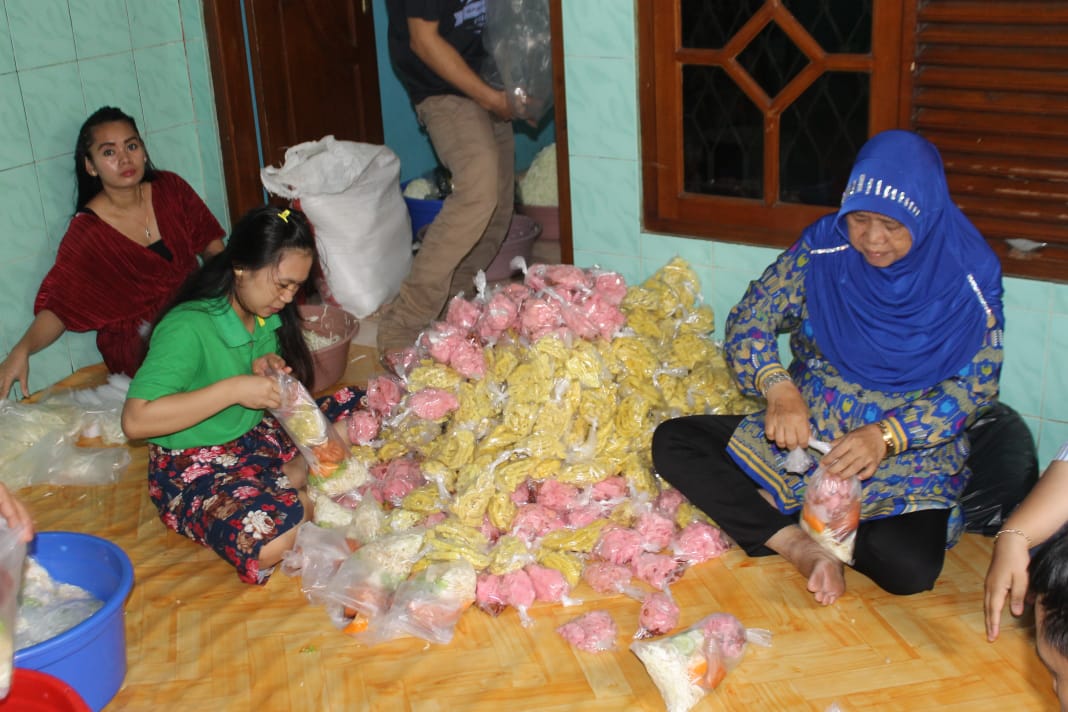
{"x": 263, "y": 364}
{"x": 855, "y": 454}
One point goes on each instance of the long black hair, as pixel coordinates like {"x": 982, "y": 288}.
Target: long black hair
{"x": 259, "y": 240}
{"x": 89, "y": 186}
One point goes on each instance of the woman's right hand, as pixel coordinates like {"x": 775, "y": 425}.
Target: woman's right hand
{"x": 257, "y": 392}
{"x": 1006, "y": 577}
{"x": 15, "y": 368}
{"x": 786, "y": 420}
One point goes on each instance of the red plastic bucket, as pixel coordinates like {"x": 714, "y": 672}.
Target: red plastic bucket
{"x": 36, "y": 691}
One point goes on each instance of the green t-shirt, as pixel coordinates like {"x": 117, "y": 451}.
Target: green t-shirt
{"x": 196, "y": 344}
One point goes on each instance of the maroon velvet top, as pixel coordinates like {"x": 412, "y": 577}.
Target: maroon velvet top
{"x": 106, "y": 282}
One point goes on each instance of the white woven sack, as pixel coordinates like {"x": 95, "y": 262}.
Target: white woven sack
{"x": 351, "y": 194}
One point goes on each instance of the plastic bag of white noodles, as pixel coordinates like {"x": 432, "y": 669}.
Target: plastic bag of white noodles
{"x": 687, "y": 665}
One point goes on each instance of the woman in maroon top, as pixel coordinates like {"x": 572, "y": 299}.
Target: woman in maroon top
{"x": 135, "y": 236}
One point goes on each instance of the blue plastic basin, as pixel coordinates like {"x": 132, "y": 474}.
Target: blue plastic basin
{"x": 91, "y": 656}
{"x": 421, "y": 212}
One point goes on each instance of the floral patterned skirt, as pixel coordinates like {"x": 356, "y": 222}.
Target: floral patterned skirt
{"x": 234, "y": 497}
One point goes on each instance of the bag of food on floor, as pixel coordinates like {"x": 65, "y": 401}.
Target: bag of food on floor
{"x": 517, "y": 37}
{"x": 430, "y": 603}
{"x": 331, "y": 466}
{"x": 831, "y": 513}
{"x": 685, "y": 666}
{"x": 351, "y": 194}
{"x": 361, "y": 592}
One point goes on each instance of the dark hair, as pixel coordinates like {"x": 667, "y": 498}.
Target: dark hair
{"x": 1048, "y": 577}
{"x": 89, "y": 186}
{"x": 258, "y": 240}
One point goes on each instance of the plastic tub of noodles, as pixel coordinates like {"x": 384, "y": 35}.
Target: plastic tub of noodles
{"x": 91, "y": 656}
{"x": 329, "y": 331}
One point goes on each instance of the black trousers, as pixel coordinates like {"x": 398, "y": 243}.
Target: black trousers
{"x": 902, "y": 554}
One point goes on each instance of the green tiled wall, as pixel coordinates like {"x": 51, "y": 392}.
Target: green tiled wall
{"x": 60, "y": 60}
{"x": 603, "y": 145}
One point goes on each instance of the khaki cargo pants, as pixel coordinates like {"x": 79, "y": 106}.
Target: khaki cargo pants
{"x": 479, "y": 151}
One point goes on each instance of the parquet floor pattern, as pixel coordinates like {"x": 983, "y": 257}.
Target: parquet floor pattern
{"x": 199, "y": 639}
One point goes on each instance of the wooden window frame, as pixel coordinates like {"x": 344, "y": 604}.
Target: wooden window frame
{"x": 899, "y": 45}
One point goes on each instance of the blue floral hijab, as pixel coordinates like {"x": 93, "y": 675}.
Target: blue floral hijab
{"x": 922, "y": 319}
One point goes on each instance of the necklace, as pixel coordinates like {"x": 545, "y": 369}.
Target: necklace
{"x": 141, "y": 198}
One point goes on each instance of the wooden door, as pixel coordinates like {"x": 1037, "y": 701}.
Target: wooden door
{"x": 314, "y": 72}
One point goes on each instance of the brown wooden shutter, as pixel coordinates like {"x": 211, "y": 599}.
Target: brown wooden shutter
{"x": 990, "y": 89}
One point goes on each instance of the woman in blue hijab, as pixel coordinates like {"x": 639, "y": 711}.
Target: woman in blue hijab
{"x": 893, "y": 310}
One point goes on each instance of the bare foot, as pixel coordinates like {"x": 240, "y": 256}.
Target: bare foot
{"x": 826, "y": 574}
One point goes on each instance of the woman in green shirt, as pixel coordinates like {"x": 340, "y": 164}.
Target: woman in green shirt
{"x": 221, "y": 470}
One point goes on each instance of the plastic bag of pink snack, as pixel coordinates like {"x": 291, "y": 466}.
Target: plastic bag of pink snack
{"x": 685, "y": 666}
{"x": 831, "y": 513}
{"x": 592, "y": 632}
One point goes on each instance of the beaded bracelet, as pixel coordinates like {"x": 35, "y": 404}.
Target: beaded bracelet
{"x": 1019, "y": 532}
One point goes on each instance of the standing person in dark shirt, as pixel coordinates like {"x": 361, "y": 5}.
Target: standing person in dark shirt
{"x": 437, "y": 51}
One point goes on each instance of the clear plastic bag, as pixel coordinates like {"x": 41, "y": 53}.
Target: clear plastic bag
{"x": 331, "y": 466}
{"x": 315, "y": 557}
{"x": 42, "y": 442}
{"x": 365, "y": 583}
{"x": 49, "y": 607}
{"x": 592, "y": 632}
{"x": 430, "y": 603}
{"x": 831, "y": 513}
{"x": 56, "y": 460}
{"x": 12, "y": 559}
{"x": 517, "y": 37}
{"x": 685, "y": 666}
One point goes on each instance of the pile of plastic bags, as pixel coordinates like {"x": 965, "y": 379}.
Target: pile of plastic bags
{"x": 510, "y": 459}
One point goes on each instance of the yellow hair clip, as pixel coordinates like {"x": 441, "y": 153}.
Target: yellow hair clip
{"x": 284, "y": 215}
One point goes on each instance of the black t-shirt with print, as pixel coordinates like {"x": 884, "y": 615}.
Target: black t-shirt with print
{"x": 459, "y": 23}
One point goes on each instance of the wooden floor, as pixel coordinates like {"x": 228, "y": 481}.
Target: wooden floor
{"x": 199, "y": 639}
